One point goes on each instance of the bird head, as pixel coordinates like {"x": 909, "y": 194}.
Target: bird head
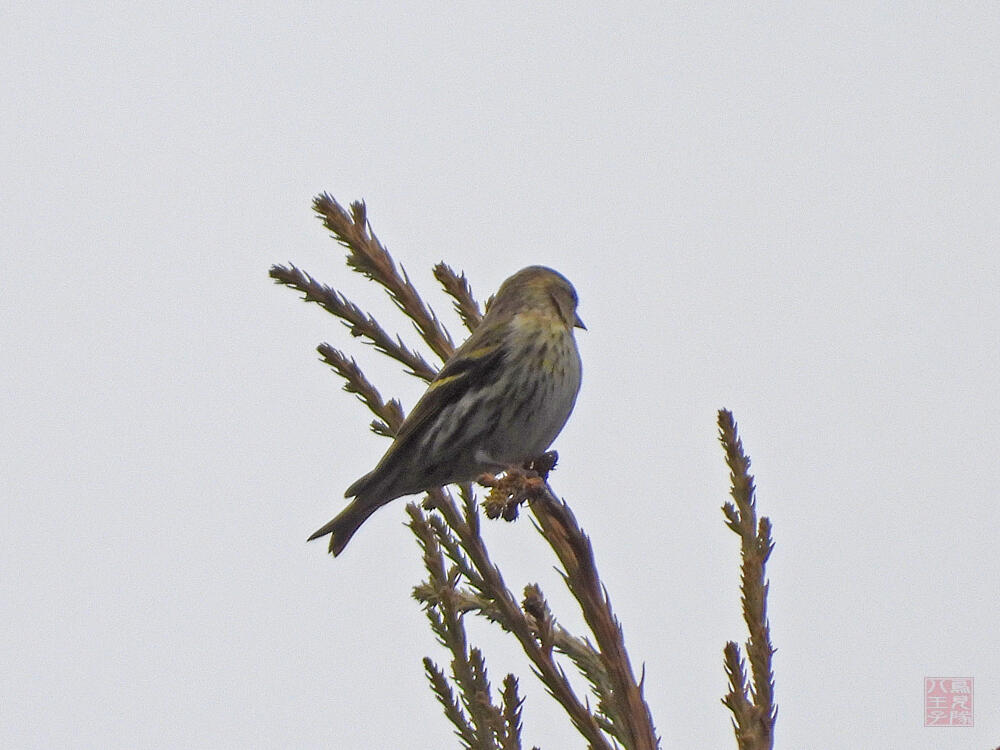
{"x": 540, "y": 290}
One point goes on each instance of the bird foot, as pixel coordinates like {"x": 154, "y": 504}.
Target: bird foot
{"x": 517, "y": 485}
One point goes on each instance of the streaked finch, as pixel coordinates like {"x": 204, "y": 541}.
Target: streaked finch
{"x": 499, "y": 400}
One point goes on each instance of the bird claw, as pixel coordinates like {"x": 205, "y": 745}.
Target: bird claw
{"x": 517, "y": 485}
{"x": 543, "y": 464}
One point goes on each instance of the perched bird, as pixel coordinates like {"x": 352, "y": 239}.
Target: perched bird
{"x": 498, "y": 401}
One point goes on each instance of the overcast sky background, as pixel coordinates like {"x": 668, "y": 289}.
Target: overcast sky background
{"x": 789, "y": 210}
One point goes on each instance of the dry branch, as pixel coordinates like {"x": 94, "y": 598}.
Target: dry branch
{"x": 750, "y": 701}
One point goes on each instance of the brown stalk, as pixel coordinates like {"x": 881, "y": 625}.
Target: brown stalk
{"x": 627, "y": 709}
{"x": 750, "y": 701}
{"x": 360, "y": 323}
{"x": 368, "y": 256}
{"x": 514, "y": 619}
{"x": 458, "y": 287}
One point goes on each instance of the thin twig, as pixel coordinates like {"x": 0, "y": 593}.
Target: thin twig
{"x": 360, "y": 323}
{"x": 627, "y": 709}
{"x": 368, "y": 256}
{"x": 752, "y": 704}
{"x": 515, "y": 621}
{"x": 458, "y": 287}
{"x": 389, "y": 413}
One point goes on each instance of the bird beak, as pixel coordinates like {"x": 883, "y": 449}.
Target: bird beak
{"x": 579, "y": 323}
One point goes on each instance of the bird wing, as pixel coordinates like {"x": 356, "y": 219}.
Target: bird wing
{"x": 459, "y": 375}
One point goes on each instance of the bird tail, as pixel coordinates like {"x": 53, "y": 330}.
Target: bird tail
{"x": 348, "y": 521}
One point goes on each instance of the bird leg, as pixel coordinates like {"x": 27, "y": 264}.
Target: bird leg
{"x": 518, "y": 484}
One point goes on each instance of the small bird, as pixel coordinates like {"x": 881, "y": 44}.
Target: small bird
{"x": 499, "y": 400}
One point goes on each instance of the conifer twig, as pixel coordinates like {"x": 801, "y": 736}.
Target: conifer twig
{"x": 368, "y": 256}
{"x": 390, "y": 413}
{"x": 458, "y": 287}
{"x": 751, "y": 701}
{"x": 630, "y": 719}
{"x": 360, "y": 323}
{"x": 510, "y": 614}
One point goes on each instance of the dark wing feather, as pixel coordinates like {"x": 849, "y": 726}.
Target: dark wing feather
{"x": 453, "y": 381}
{"x": 469, "y": 366}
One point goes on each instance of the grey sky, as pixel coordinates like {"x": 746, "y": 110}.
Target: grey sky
{"x": 788, "y": 210}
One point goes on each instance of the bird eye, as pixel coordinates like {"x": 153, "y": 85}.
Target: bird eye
{"x": 559, "y": 305}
